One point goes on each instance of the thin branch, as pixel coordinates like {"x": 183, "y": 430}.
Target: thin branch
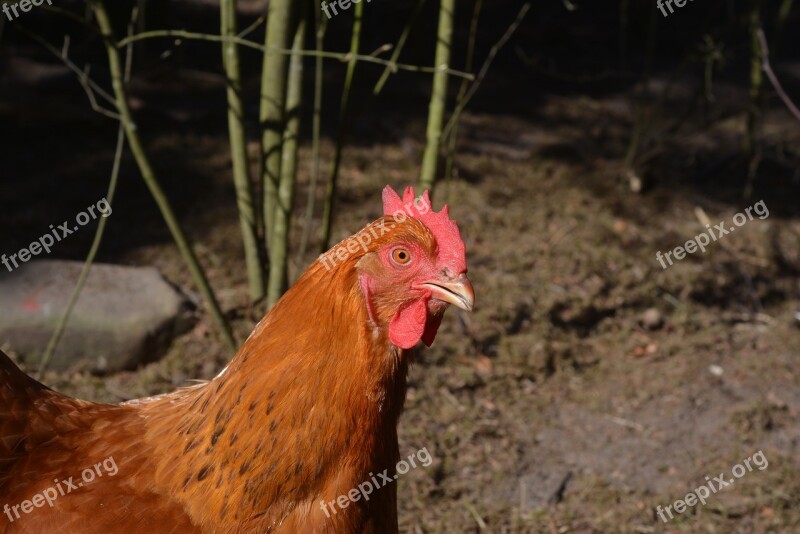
{"x": 346, "y": 57}
{"x": 485, "y": 68}
{"x": 316, "y": 129}
{"x": 89, "y": 86}
{"x": 462, "y": 90}
{"x": 84, "y": 274}
{"x": 391, "y": 68}
{"x": 101, "y": 226}
{"x": 344, "y": 106}
{"x": 72, "y": 16}
{"x": 250, "y": 29}
{"x": 765, "y": 65}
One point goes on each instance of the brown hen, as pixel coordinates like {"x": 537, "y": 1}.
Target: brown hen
{"x": 305, "y": 412}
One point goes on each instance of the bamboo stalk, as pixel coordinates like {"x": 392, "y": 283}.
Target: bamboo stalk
{"x": 438, "y": 103}
{"x": 239, "y": 159}
{"x": 150, "y": 178}
{"x": 330, "y": 193}
{"x": 280, "y": 238}
{"x": 273, "y": 107}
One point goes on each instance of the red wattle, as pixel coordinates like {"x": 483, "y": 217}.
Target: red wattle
{"x": 408, "y": 324}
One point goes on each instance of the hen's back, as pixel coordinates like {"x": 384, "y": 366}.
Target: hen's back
{"x": 18, "y": 396}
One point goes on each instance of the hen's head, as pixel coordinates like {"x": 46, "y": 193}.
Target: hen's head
{"x": 411, "y": 264}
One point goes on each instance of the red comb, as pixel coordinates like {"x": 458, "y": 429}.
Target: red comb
{"x": 452, "y": 252}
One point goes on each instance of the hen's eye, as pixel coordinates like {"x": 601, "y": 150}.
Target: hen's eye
{"x": 401, "y": 256}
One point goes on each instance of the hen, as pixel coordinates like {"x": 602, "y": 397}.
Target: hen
{"x": 305, "y": 412}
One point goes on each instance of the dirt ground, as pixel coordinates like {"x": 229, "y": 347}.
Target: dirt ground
{"x": 590, "y": 385}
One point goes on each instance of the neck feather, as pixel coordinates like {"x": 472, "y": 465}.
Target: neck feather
{"x": 307, "y": 408}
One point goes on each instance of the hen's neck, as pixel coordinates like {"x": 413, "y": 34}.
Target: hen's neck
{"x": 307, "y": 408}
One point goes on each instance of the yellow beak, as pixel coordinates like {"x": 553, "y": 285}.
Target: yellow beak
{"x": 458, "y": 292}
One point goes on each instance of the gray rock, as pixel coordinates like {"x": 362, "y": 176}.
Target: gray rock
{"x": 125, "y": 316}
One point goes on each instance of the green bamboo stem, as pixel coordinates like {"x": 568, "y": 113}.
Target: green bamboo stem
{"x": 316, "y": 135}
{"x": 273, "y": 107}
{"x": 279, "y": 253}
{"x": 330, "y": 193}
{"x": 438, "y": 103}
{"x": 239, "y": 159}
{"x": 149, "y": 176}
{"x": 346, "y": 57}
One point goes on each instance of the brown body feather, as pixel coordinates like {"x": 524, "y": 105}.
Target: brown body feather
{"x": 307, "y": 410}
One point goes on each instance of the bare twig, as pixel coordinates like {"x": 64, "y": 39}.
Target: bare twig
{"x": 84, "y": 274}
{"x": 88, "y": 85}
{"x": 462, "y": 90}
{"x": 250, "y": 29}
{"x": 330, "y": 190}
{"x": 101, "y": 226}
{"x": 346, "y": 57}
{"x": 765, "y": 65}
{"x": 316, "y": 130}
{"x": 72, "y": 16}
{"x": 391, "y": 68}
{"x": 485, "y": 68}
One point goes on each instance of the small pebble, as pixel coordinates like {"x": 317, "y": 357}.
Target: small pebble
{"x": 652, "y": 319}
{"x": 715, "y": 370}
